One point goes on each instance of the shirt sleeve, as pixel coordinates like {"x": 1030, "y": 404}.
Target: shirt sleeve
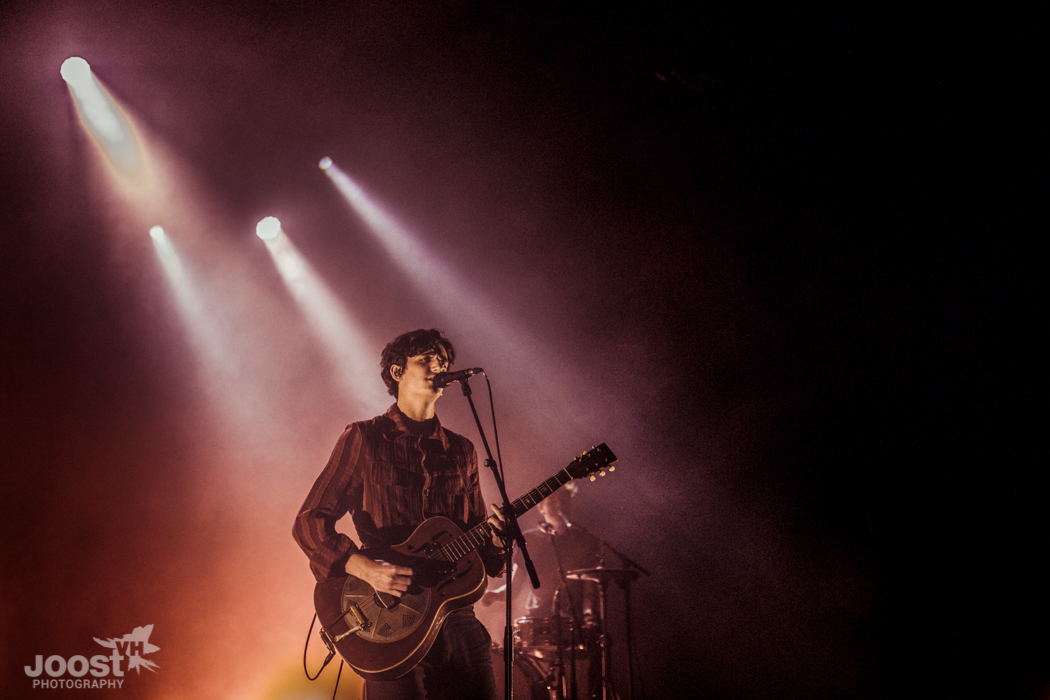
{"x": 328, "y": 501}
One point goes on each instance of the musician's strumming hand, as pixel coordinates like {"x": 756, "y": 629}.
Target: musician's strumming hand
{"x": 381, "y": 575}
{"x": 498, "y": 523}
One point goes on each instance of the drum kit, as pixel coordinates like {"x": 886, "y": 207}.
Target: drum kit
{"x": 556, "y": 659}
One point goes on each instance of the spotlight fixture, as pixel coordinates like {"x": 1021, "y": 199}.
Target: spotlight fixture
{"x": 268, "y": 228}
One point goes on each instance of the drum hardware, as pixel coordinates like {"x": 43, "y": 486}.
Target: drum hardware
{"x": 603, "y": 577}
{"x": 547, "y": 650}
{"x": 545, "y": 653}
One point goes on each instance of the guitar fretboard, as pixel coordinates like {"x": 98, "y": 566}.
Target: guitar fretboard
{"x": 478, "y": 535}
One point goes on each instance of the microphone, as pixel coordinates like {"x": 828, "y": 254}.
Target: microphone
{"x": 445, "y": 378}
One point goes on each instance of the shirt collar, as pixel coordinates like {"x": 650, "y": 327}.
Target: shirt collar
{"x": 399, "y": 429}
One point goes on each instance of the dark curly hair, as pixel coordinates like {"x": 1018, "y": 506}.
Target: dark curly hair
{"x": 410, "y": 344}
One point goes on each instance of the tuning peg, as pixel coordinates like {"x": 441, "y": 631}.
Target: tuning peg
{"x": 612, "y": 467}
{"x": 593, "y": 477}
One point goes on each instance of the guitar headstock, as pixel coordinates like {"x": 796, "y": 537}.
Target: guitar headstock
{"x": 593, "y": 460}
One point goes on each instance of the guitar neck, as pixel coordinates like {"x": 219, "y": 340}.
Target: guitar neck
{"x": 477, "y": 536}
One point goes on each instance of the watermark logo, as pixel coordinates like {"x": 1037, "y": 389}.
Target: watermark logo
{"x": 133, "y": 646}
{"x": 126, "y": 653}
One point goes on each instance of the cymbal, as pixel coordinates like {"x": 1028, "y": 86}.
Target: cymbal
{"x": 603, "y": 575}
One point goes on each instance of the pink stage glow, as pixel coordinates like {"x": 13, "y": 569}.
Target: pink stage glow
{"x": 671, "y": 266}
{"x": 229, "y": 508}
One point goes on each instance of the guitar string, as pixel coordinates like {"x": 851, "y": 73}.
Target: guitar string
{"x": 457, "y": 548}
{"x": 476, "y": 536}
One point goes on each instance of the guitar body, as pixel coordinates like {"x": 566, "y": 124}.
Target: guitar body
{"x": 398, "y": 632}
{"x": 383, "y": 637}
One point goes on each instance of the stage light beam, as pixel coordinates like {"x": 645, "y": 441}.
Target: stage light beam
{"x": 168, "y": 257}
{"x": 329, "y": 321}
{"x": 100, "y": 114}
{"x": 494, "y": 327}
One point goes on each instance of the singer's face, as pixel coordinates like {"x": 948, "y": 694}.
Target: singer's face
{"x": 420, "y": 370}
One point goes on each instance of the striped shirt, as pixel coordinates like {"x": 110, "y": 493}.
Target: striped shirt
{"x": 390, "y": 480}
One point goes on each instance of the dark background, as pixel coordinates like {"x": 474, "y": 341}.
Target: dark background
{"x": 783, "y": 261}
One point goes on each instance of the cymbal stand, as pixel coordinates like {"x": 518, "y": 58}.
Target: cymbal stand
{"x": 603, "y": 577}
{"x": 603, "y": 641}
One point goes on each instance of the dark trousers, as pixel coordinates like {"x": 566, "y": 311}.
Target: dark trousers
{"x": 457, "y": 667}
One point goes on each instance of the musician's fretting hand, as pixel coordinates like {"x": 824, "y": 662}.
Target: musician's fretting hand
{"x": 381, "y": 575}
{"x": 497, "y": 522}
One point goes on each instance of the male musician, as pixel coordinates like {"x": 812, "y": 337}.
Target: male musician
{"x": 391, "y": 473}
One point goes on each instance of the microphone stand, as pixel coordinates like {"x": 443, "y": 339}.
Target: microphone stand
{"x": 514, "y": 533}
